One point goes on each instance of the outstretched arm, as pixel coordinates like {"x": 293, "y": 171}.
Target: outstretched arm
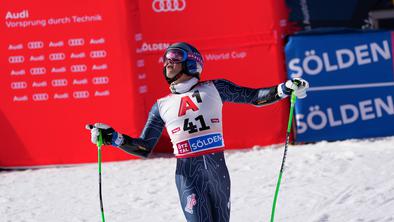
{"x": 141, "y": 146}
{"x": 150, "y": 135}
{"x": 230, "y": 92}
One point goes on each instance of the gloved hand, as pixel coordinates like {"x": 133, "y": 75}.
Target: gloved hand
{"x": 109, "y": 135}
{"x": 298, "y": 85}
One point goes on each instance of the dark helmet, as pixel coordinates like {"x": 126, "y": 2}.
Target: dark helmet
{"x": 188, "y": 55}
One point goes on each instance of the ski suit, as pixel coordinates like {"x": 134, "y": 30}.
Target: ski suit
{"x": 194, "y": 123}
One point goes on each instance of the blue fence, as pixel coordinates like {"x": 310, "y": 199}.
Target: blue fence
{"x": 352, "y": 85}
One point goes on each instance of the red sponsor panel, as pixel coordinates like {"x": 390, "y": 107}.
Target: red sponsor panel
{"x": 71, "y": 63}
{"x": 239, "y": 42}
{"x": 64, "y": 64}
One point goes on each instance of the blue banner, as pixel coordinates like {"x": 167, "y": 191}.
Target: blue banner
{"x": 352, "y": 85}
{"x": 206, "y": 142}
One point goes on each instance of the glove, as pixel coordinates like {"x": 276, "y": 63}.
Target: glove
{"x": 298, "y": 85}
{"x": 109, "y": 135}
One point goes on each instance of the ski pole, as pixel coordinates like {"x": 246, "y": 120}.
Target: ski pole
{"x": 99, "y": 144}
{"x": 292, "y": 102}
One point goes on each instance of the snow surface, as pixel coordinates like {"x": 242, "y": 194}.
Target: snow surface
{"x": 328, "y": 181}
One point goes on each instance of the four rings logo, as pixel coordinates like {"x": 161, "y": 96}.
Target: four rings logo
{"x": 168, "y": 5}
{"x": 38, "y": 71}
{"x": 78, "y": 68}
{"x": 57, "y": 56}
{"x": 40, "y": 96}
{"x": 100, "y": 80}
{"x": 76, "y": 42}
{"x": 16, "y": 59}
{"x": 98, "y": 54}
{"x": 18, "y": 85}
{"x": 35, "y": 45}
{"x": 59, "y": 82}
{"x": 81, "y": 94}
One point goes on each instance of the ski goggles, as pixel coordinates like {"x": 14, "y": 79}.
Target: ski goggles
{"x": 175, "y": 56}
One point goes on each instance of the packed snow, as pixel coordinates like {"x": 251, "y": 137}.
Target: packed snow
{"x": 344, "y": 181}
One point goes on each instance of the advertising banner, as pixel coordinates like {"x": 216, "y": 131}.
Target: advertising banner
{"x": 64, "y": 64}
{"x": 352, "y": 85}
{"x": 239, "y": 42}
{"x": 71, "y": 63}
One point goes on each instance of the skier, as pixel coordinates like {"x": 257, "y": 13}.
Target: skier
{"x": 192, "y": 115}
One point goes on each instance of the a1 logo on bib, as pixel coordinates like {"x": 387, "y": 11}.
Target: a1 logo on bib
{"x": 187, "y": 103}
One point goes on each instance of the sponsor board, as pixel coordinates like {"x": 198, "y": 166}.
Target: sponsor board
{"x": 352, "y": 85}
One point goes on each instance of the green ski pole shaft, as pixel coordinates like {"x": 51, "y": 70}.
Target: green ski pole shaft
{"x": 99, "y": 144}
{"x": 292, "y": 102}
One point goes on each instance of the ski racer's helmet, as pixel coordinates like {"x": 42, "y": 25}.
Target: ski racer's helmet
{"x": 188, "y": 55}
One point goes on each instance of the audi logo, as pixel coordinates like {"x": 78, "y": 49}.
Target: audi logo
{"x": 102, "y": 93}
{"x": 141, "y": 76}
{"x": 98, "y": 54}
{"x": 78, "y": 68}
{"x": 58, "y": 70}
{"x": 100, "y": 67}
{"x": 20, "y": 98}
{"x": 16, "y": 59}
{"x": 143, "y": 89}
{"x": 39, "y": 84}
{"x": 168, "y": 5}
{"x": 15, "y": 47}
{"x": 56, "y": 44}
{"x": 60, "y": 96}
{"x": 97, "y": 41}
{"x": 100, "y": 80}
{"x": 37, "y": 58}
{"x": 59, "y": 82}
{"x": 138, "y": 37}
{"x": 40, "y": 97}
{"x": 18, "y": 72}
{"x": 80, "y": 81}
{"x": 18, "y": 85}
{"x": 77, "y": 55}
{"x": 76, "y": 42}
{"x": 38, "y": 71}
{"x": 140, "y": 63}
{"x": 57, "y": 56}
{"x": 35, "y": 45}
{"x": 81, "y": 94}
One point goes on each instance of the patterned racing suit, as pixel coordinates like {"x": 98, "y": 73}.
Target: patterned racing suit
{"x": 194, "y": 123}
